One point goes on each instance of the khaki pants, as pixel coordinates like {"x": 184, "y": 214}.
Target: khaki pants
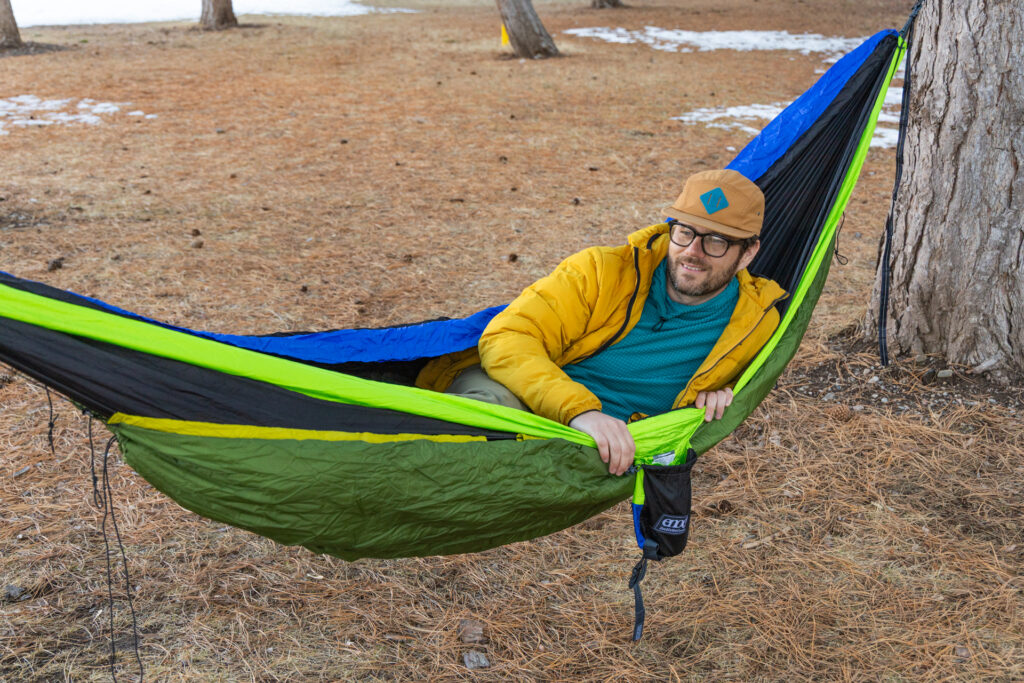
{"x": 474, "y": 383}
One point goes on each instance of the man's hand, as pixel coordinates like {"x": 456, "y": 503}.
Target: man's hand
{"x": 614, "y": 442}
{"x": 713, "y": 403}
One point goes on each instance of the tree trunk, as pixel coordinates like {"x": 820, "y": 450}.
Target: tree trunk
{"x": 217, "y": 15}
{"x": 957, "y": 278}
{"x": 9, "y": 36}
{"x": 527, "y": 35}
{"x": 604, "y": 4}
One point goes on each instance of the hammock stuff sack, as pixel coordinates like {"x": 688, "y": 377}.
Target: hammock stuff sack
{"x": 285, "y": 436}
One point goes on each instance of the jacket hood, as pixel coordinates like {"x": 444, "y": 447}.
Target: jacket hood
{"x": 766, "y": 292}
{"x": 642, "y": 238}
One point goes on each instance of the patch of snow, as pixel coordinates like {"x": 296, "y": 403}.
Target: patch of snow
{"x": 31, "y": 122}
{"x": 62, "y": 117}
{"x": 752, "y": 112}
{"x": 27, "y": 104}
{"x": 62, "y": 12}
{"x": 677, "y": 40}
{"x": 739, "y": 118}
{"x": 30, "y": 110}
{"x": 885, "y": 138}
{"x": 893, "y": 97}
{"x": 106, "y": 108}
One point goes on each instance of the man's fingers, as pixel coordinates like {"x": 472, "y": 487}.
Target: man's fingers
{"x": 619, "y": 442}
{"x": 714, "y": 403}
{"x": 611, "y": 436}
{"x": 617, "y": 465}
{"x": 725, "y": 400}
{"x": 626, "y": 451}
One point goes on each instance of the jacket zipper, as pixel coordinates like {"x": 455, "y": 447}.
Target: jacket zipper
{"x": 632, "y": 299}
{"x": 734, "y": 346}
{"x": 629, "y": 308}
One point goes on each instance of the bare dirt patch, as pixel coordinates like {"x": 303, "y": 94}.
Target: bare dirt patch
{"x": 383, "y": 169}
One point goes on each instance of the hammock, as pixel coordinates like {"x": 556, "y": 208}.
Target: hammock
{"x": 294, "y": 438}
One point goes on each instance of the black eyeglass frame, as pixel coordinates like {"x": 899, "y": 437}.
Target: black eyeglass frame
{"x": 672, "y": 224}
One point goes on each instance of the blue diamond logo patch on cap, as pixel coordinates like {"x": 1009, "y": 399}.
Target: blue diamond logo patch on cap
{"x": 714, "y": 200}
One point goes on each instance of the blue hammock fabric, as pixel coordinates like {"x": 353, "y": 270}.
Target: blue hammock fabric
{"x": 371, "y": 345}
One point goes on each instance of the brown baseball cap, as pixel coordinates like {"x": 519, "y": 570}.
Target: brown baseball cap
{"x": 723, "y": 201}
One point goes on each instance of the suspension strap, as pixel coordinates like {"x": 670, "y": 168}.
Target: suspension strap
{"x": 638, "y": 574}
{"x": 883, "y": 304}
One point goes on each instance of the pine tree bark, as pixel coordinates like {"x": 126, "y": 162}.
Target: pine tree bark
{"x": 526, "y": 33}
{"x": 9, "y": 36}
{"x": 957, "y": 266}
{"x": 217, "y": 15}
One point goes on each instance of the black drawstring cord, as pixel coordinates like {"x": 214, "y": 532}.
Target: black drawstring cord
{"x": 51, "y": 423}
{"x": 883, "y": 294}
{"x": 840, "y": 259}
{"x": 105, "y": 498}
{"x": 97, "y": 497}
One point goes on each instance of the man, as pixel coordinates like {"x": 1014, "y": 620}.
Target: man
{"x": 617, "y": 333}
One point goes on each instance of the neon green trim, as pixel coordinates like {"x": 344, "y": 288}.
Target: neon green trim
{"x": 638, "y": 489}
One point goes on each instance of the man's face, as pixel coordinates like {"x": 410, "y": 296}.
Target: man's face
{"x": 694, "y": 276}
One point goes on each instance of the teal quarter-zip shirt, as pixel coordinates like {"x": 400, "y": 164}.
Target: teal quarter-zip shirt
{"x": 645, "y": 369}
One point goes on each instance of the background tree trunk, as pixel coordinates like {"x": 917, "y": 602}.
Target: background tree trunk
{"x": 9, "y": 36}
{"x": 217, "y": 15}
{"x": 957, "y": 283}
{"x": 527, "y": 35}
{"x": 603, "y": 4}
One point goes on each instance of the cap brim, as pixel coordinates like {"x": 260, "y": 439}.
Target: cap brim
{"x": 701, "y": 222}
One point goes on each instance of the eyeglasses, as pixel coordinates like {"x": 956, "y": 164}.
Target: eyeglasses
{"x": 713, "y": 245}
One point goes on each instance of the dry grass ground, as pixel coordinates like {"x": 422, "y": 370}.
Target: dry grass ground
{"x": 382, "y": 169}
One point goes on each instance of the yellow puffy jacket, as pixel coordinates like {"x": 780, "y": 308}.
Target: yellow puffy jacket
{"x": 590, "y": 301}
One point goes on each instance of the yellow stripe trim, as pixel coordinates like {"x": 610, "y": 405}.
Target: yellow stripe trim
{"x": 228, "y": 431}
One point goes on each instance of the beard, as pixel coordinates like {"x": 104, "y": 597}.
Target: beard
{"x": 711, "y": 280}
